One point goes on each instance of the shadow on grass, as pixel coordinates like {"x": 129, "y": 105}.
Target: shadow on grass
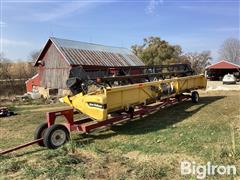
{"x": 16, "y": 154}
{"x": 161, "y": 119}
{"x": 31, "y": 152}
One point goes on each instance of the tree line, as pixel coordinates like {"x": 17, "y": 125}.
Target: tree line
{"x": 155, "y": 51}
{"x": 14, "y": 74}
{"x": 10, "y": 70}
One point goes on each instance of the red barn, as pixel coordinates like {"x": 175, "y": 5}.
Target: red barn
{"x": 33, "y": 83}
{"x": 218, "y": 70}
{"x": 59, "y": 56}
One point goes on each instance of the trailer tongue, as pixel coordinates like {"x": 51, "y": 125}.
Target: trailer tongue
{"x": 118, "y": 99}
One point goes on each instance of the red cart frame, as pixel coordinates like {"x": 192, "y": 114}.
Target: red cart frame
{"x": 87, "y": 125}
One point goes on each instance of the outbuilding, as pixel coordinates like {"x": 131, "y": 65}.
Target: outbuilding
{"x": 60, "y": 56}
{"x": 218, "y": 70}
{"x": 33, "y": 83}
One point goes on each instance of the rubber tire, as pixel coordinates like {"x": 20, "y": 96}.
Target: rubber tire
{"x": 131, "y": 111}
{"x": 195, "y": 97}
{"x": 47, "y": 136}
{"x": 38, "y": 133}
{"x": 178, "y": 97}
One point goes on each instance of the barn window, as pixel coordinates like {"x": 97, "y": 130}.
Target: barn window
{"x": 53, "y": 92}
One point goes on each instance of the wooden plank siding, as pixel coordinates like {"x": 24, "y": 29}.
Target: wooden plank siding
{"x": 55, "y": 71}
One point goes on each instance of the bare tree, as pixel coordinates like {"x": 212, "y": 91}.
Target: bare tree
{"x": 198, "y": 61}
{"x": 13, "y": 75}
{"x": 30, "y": 68}
{"x": 34, "y": 55}
{"x": 4, "y": 67}
{"x": 230, "y": 50}
{"x": 1, "y": 60}
{"x": 1, "y": 56}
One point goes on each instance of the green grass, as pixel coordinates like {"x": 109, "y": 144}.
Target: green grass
{"x": 148, "y": 148}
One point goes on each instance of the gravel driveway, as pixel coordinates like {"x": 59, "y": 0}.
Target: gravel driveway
{"x": 218, "y": 85}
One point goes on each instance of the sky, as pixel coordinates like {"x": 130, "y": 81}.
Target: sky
{"x": 195, "y": 25}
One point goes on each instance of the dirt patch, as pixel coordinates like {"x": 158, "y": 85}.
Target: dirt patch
{"x": 219, "y": 86}
{"x": 88, "y": 155}
{"x": 161, "y": 158}
{"x": 50, "y": 109}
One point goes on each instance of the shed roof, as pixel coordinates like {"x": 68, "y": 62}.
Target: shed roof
{"x": 223, "y": 64}
{"x": 82, "y": 53}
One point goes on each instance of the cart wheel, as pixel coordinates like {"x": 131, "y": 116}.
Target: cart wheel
{"x": 55, "y": 136}
{"x": 178, "y": 97}
{"x": 131, "y": 111}
{"x": 39, "y": 132}
{"x": 195, "y": 97}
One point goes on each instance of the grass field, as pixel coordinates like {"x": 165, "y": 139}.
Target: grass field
{"x": 148, "y": 148}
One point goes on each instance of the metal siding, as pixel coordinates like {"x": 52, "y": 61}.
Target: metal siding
{"x": 105, "y": 56}
{"x": 96, "y": 57}
{"x": 80, "y": 53}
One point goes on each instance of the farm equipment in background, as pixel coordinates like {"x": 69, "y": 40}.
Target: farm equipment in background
{"x": 116, "y": 98}
{"x": 79, "y": 79}
{"x": 5, "y": 112}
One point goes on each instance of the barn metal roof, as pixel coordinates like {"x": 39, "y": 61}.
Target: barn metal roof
{"x": 82, "y": 53}
{"x": 223, "y": 65}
